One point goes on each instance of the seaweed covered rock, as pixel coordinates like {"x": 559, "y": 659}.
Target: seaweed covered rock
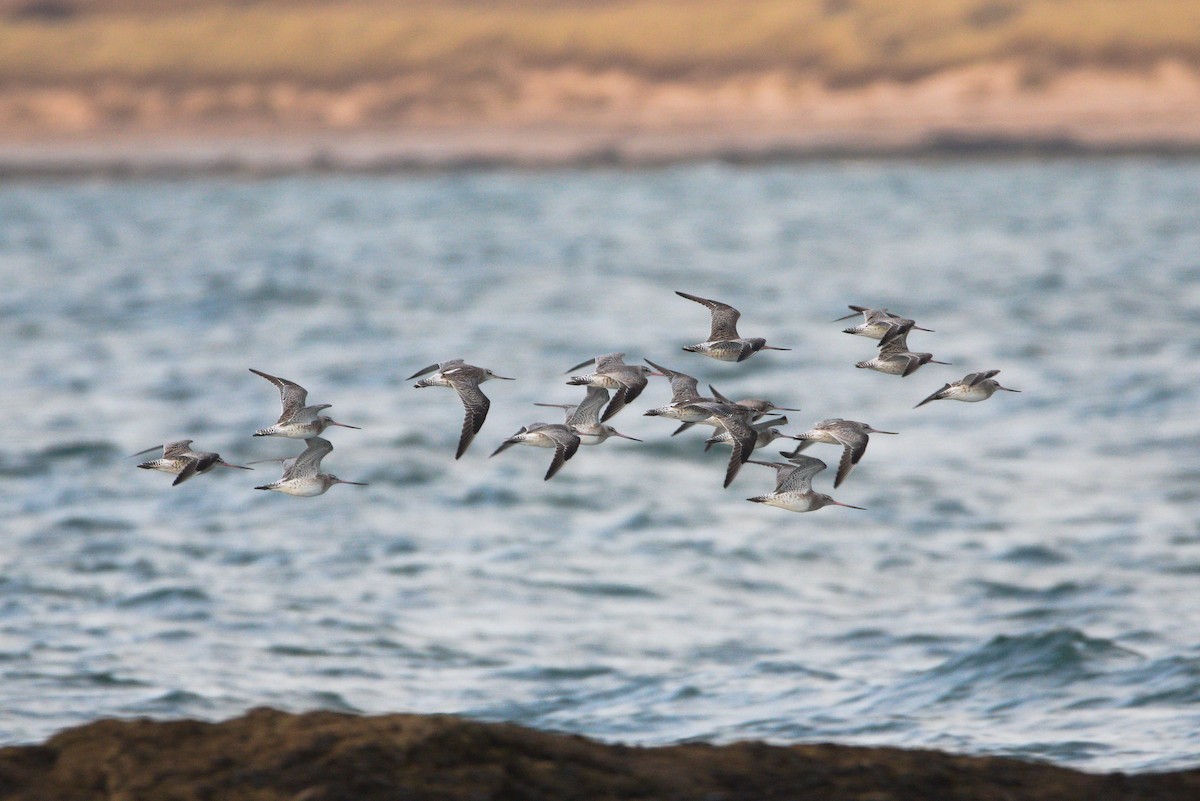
{"x": 267, "y": 755}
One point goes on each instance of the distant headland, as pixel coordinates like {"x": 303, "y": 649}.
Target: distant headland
{"x": 146, "y": 86}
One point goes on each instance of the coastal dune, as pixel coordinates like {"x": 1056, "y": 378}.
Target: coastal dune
{"x": 268, "y": 755}
{"x": 262, "y": 84}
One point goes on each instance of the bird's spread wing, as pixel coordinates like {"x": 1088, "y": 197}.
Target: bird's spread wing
{"x": 308, "y": 463}
{"x": 609, "y": 360}
{"x": 718, "y": 396}
{"x": 774, "y": 422}
{"x": 683, "y": 386}
{"x": 743, "y": 441}
{"x": 895, "y": 345}
{"x": 587, "y": 413}
{"x": 291, "y": 394}
{"x": 173, "y": 450}
{"x": 914, "y": 361}
{"x": 935, "y": 396}
{"x": 508, "y": 443}
{"x": 476, "y": 405}
{"x": 800, "y": 446}
{"x": 583, "y": 363}
{"x": 724, "y": 317}
{"x": 857, "y": 311}
{"x": 566, "y": 443}
{"x": 850, "y": 457}
{"x": 632, "y": 383}
{"x": 896, "y": 329}
{"x": 190, "y": 469}
{"x": 423, "y": 371}
{"x": 781, "y": 470}
{"x": 974, "y": 378}
{"x": 800, "y": 479}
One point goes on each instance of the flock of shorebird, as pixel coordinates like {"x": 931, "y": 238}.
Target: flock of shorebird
{"x": 740, "y": 424}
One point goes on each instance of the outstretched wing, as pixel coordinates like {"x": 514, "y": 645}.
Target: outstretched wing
{"x": 422, "y": 371}
{"x": 476, "y": 405}
{"x": 914, "y": 361}
{"x": 291, "y": 395}
{"x": 174, "y": 450}
{"x": 587, "y": 413}
{"x": 894, "y": 345}
{"x": 683, "y": 386}
{"x": 308, "y": 463}
{"x": 781, "y": 470}
{"x": 800, "y": 446}
{"x": 609, "y": 360}
{"x": 602, "y": 362}
{"x": 717, "y": 395}
{"x": 508, "y": 443}
{"x": 743, "y": 438}
{"x": 974, "y": 378}
{"x": 566, "y": 443}
{"x": 941, "y": 393}
{"x": 857, "y": 311}
{"x": 895, "y": 329}
{"x": 850, "y": 457}
{"x": 190, "y": 468}
{"x": 632, "y": 383}
{"x": 800, "y": 479}
{"x": 724, "y": 317}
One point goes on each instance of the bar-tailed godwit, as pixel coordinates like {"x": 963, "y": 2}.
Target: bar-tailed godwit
{"x": 793, "y": 486}
{"x": 302, "y": 474}
{"x": 724, "y": 342}
{"x": 561, "y": 438}
{"x": 973, "y": 388}
{"x": 766, "y": 430}
{"x": 851, "y": 435}
{"x": 895, "y": 358}
{"x": 181, "y": 461}
{"x": 296, "y": 421}
{"x": 625, "y": 380}
{"x": 880, "y": 324}
{"x": 464, "y": 379}
{"x": 584, "y": 417}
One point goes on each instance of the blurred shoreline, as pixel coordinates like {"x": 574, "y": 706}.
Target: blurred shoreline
{"x": 558, "y": 117}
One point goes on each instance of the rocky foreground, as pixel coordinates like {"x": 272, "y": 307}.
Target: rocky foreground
{"x": 326, "y": 756}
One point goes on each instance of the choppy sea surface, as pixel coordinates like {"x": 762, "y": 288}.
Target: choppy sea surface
{"x": 1024, "y": 580}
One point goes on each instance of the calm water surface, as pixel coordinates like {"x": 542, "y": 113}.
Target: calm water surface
{"x": 1024, "y": 580}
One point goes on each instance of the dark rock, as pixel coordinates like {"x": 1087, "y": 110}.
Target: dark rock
{"x": 268, "y": 755}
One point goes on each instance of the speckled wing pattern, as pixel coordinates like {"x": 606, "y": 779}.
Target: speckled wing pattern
{"x": 976, "y": 378}
{"x": 566, "y": 443}
{"x": 308, "y": 463}
{"x": 683, "y": 386}
{"x": 174, "y": 450}
{"x": 800, "y": 479}
{"x": 632, "y": 382}
{"x": 733, "y": 419}
{"x": 291, "y": 395}
{"x": 724, "y": 317}
{"x": 476, "y": 405}
{"x": 587, "y": 413}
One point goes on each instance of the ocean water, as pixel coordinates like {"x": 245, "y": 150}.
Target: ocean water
{"x": 1024, "y": 580}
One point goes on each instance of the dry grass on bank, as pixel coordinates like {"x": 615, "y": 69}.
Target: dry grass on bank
{"x": 190, "y": 42}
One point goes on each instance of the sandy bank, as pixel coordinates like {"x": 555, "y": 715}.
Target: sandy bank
{"x": 567, "y": 116}
{"x": 325, "y": 756}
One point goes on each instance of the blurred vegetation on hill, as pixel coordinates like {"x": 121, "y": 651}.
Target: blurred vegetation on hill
{"x": 845, "y": 42}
